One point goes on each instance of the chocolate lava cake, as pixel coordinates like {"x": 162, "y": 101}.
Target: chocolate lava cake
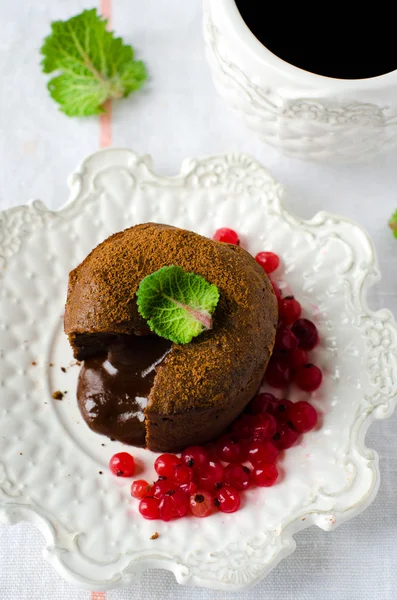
{"x": 142, "y": 389}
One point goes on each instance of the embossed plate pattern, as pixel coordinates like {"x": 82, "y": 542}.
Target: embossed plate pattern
{"x": 53, "y": 469}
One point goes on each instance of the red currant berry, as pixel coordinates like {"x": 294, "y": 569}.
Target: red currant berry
{"x": 306, "y": 332}
{"x": 261, "y": 403}
{"x": 188, "y": 488}
{"x": 308, "y": 378}
{"x": 278, "y": 373}
{"x": 173, "y": 505}
{"x": 265, "y": 475}
{"x": 265, "y": 427}
{"x": 243, "y": 427}
{"x": 259, "y": 453}
{"x": 297, "y": 358}
{"x": 210, "y": 476}
{"x": 195, "y": 456}
{"x": 140, "y": 489}
{"x": 285, "y": 436}
{"x": 237, "y": 476}
{"x": 202, "y": 504}
{"x": 285, "y": 339}
{"x": 182, "y": 474}
{"x": 149, "y": 508}
{"x": 276, "y": 290}
{"x": 211, "y": 451}
{"x": 268, "y": 261}
{"x": 280, "y": 410}
{"x": 289, "y": 310}
{"x": 303, "y": 416}
{"x": 244, "y": 449}
{"x": 122, "y": 464}
{"x": 162, "y": 487}
{"x": 165, "y": 464}
{"x": 227, "y": 500}
{"x": 226, "y": 235}
{"x": 227, "y": 449}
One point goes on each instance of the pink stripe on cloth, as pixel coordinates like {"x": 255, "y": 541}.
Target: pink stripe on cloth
{"x": 105, "y": 119}
{"x": 98, "y": 596}
{"x": 105, "y": 126}
{"x": 106, "y": 9}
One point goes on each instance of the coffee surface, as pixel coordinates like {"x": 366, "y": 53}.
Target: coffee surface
{"x": 345, "y": 40}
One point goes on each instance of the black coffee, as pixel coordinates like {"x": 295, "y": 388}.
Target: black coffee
{"x": 347, "y": 40}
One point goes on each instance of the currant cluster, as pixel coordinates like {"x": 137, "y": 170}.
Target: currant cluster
{"x": 195, "y": 482}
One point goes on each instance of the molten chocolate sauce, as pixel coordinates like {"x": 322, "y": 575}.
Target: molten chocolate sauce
{"x": 113, "y": 389}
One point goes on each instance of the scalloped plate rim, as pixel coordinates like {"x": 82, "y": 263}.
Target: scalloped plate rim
{"x": 14, "y": 513}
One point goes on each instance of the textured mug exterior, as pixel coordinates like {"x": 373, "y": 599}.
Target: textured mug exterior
{"x": 305, "y": 115}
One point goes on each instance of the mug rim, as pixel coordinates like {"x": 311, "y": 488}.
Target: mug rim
{"x": 238, "y": 24}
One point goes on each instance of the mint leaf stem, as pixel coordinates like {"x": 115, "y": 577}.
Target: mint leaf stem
{"x": 202, "y": 316}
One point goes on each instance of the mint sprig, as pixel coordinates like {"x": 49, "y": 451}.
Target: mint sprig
{"x": 177, "y": 305}
{"x": 93, "y": 64}
{"x": 393, "y": 223}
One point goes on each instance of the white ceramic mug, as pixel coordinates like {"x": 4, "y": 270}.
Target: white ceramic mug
{"x": 305, "y": 115}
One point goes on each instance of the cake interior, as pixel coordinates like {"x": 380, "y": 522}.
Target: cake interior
{"x": 115, "y": 382}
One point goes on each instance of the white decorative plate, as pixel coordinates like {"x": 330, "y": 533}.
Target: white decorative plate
{"x": 51, "y": 463}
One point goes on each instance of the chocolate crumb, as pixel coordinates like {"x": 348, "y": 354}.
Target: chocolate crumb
{"x": 78, "y": 363}
{"x": 21, "y": 453}
{"x": 63, "y": 369}
{"x": 34, "y": 363}
{"x": 65, "y": 392}
{"x": 154, "y": 536}
{"x": 102, "y": 444}
{"x": 100, "y": 472}
{"x": 51, "y": 364}
{"x": 58, "y": 395}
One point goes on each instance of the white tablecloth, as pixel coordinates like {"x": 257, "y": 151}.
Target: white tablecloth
{"x": 178, "y": 114}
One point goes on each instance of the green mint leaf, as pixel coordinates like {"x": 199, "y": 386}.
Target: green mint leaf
{"x": 393, "y": 223}
{"x": 177, "y": 305}
{"x": 93, "y": 65}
